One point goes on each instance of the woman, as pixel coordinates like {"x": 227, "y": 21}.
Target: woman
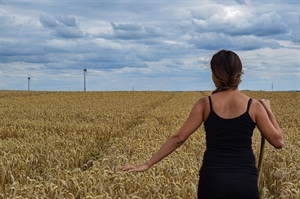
{"x": 229, "y": 117}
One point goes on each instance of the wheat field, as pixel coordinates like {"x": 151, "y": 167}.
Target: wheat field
{"x": 72, "y": 144}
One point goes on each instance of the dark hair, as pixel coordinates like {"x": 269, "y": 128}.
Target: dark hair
{"x": 227, "y": 68}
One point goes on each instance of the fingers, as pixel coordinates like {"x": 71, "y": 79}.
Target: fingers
{"x": 265, "y": 103}
{"x": 138, "y": 168}
{"x": 129, "y": 168}
{"x": 125, "y": 168}
{"x": 263, "y": 100}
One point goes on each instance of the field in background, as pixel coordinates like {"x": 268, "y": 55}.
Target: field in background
{"x": 72, "y": 144}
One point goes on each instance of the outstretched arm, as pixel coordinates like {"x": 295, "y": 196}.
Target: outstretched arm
{"x": 192, "y": 123}
{"x": 168, "y": 147}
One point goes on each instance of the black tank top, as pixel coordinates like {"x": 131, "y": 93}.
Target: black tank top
{"x": 229, "y": 144}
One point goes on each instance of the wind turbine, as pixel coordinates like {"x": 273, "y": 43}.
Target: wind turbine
{"x": 28, "y": 78}
{"x": 84, "y": 78}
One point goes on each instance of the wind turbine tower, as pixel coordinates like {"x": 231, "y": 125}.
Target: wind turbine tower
{"x": 28, "y": 78}
{"x": 84, "y": 79}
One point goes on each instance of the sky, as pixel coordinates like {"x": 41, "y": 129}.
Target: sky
{"x": 145, "y": 45}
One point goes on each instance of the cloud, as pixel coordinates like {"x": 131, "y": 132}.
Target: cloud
{"x": 48, "y": 21}
{"x": 67, "y": 21}
{"x": 295, "y": 38}
{"x": 7, "y": 21}
{"x": 126, "y": 27}
{"x": 151, "y": 44}
{"x": 134, "y": 31}
{"x": 62, "y": 26}
{"x": 267, "y": 24}
{"x": 242, "y": 2}
{"x": 215, "y": 41}
{"x": 234, "y": 22}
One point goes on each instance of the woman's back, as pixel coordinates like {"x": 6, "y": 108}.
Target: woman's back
{"x": 228, "y": 169}
{"x": 228, "y": 135}
{"x": 229, "y": 104}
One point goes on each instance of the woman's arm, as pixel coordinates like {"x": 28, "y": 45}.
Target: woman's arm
{"x": 192, "y": 123}
{"x": 267, "y": 124}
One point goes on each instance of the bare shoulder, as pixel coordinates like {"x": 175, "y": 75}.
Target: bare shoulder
{"x": 203, "y": 101}
{"x": 203, "y": 107}
{"x": 201, "y": 104}
{"x": 255, "y": 109}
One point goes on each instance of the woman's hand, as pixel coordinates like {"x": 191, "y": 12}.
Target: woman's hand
{"x": 138, "y": 167}
{"x": 266, "y": 103}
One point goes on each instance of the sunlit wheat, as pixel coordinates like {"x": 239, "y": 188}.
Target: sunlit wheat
{"x": 72, "y": 144}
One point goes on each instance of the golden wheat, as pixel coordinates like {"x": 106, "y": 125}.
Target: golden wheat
{"x": 72, "y": 144}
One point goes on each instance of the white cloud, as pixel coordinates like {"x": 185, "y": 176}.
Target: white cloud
{"x": 234, "y": 21}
